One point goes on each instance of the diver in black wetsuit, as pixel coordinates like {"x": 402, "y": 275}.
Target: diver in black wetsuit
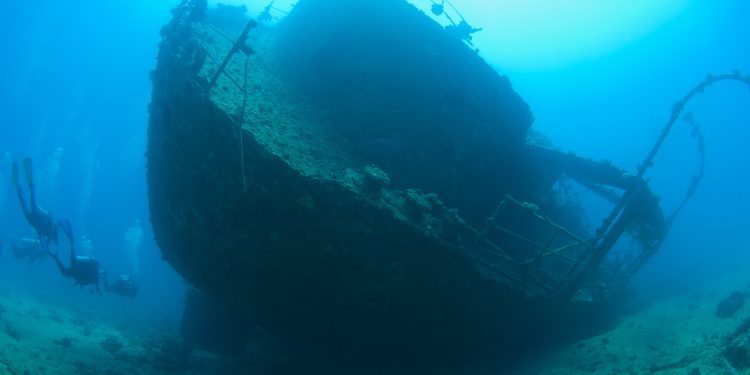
{"x": 42, "y": 222}
{"x": 26, "y": 248}
{"x": 124, "y": 285}
{"x": 83, "y": 270}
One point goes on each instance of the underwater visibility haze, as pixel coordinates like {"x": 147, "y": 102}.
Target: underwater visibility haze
{"x": 374, "y": 187}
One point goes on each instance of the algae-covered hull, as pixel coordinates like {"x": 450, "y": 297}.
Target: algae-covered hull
{"x": 329, "y": 184}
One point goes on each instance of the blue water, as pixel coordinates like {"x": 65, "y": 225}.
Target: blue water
{"x": 74, "y": 90}
{"x": 614, "y": 106}
{"x": 74, "y": 98}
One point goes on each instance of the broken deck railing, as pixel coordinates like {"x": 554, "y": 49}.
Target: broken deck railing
{"x": 567, "y": 266}
{"x": 563, "y": 264}
{"x": 511, "y": 252}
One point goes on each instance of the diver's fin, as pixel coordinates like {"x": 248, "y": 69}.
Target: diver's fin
{"x": 28, "y": 171}
{"x": 67, "y": 229}
{"x": 15, "y": 174}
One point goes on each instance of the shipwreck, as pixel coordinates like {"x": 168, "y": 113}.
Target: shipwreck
{"x": 366, "y": 187}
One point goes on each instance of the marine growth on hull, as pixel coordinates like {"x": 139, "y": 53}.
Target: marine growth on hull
{"x": 356, "y": 178}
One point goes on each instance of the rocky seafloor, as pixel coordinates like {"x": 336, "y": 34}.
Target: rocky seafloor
{"x": 679, "y": 334}
{"x": 41, "y": 338}
{"x": 690, "y": 332}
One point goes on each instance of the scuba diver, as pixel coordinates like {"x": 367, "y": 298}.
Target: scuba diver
{"x": 124, "y": 285}
{"x": 84, "y": 270}
{"x": 42, "y": 222}
{"x": 25, "y": 248}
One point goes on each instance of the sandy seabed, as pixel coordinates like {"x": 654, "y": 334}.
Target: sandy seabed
{"x": 680, "y": 334}
{"x": 39, "y": 338}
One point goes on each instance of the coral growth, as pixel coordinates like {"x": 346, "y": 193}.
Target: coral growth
{"x": 65, "y": 342}
{"x": 171, "y": 355}
{"x": 11, "y": 331}
{"x": 728, "y": 306}
{"x": 737, "y": 350}
{"x": 111, "y": 344}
